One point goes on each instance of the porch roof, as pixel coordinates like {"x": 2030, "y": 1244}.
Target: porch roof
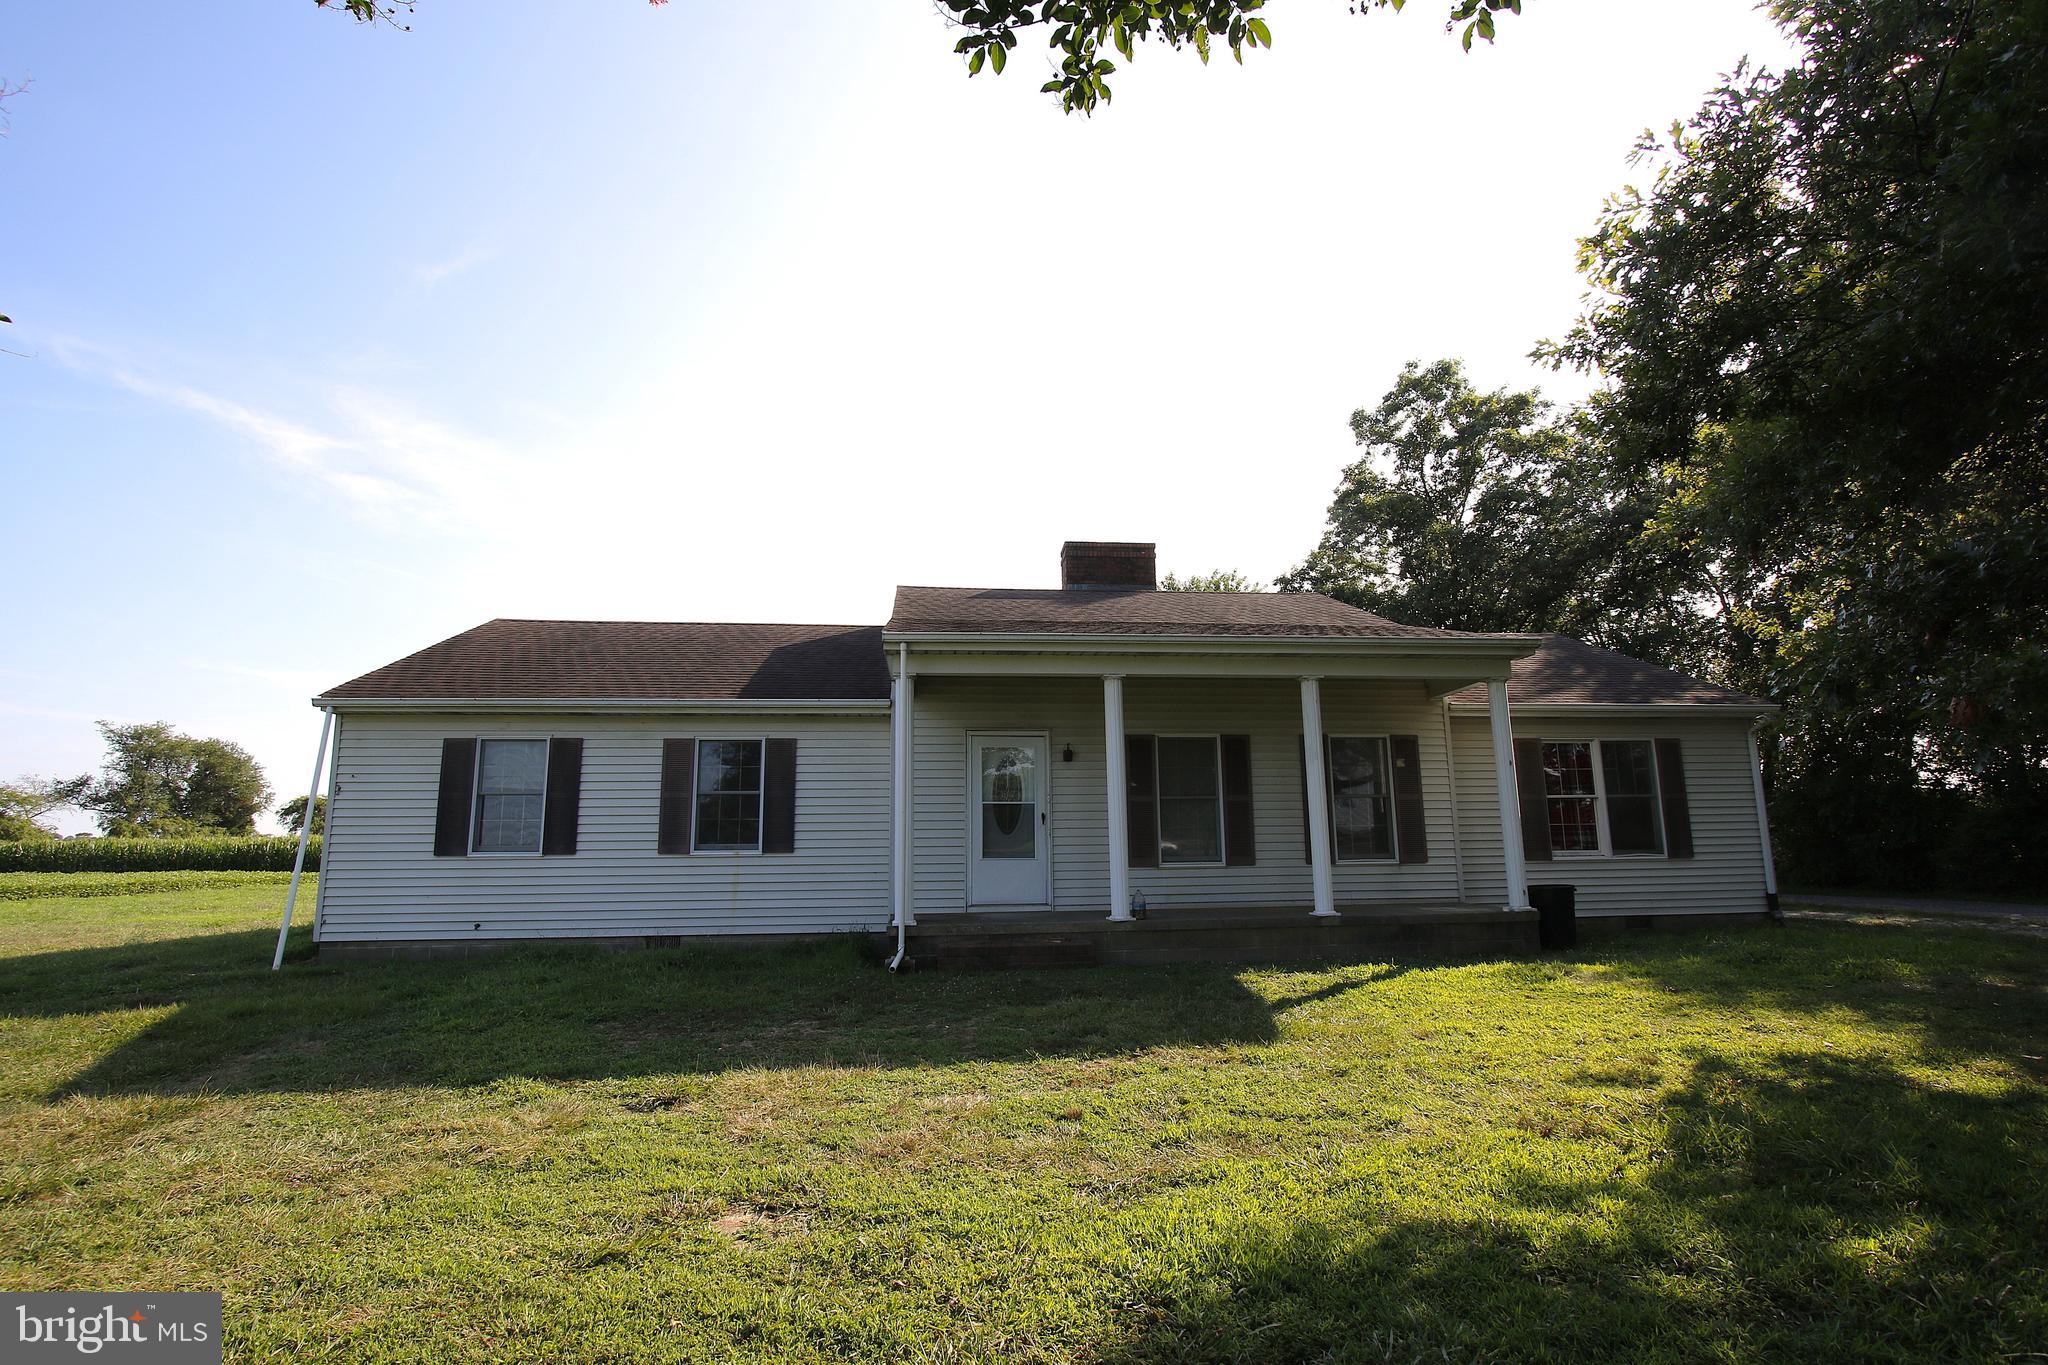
{"x": 1566, "y": 672}
{"x": 1011, "y": 612}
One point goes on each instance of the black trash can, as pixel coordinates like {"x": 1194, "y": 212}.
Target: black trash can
{"x": 1557, "y": 924}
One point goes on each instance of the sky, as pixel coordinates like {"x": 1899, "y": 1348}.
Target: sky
{"x": 335, "y": 340}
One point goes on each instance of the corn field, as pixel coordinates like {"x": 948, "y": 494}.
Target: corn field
{"x": 258, "y": 853}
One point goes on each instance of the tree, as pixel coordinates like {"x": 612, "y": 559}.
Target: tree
{"x": 1079, "y": 32}
{"x": 1819, "y": 328}
{"x": 1493, "y": 512}
{"x": 1217, "y": 580}
{"x": 23, "y": 804}
{"x": 157, "y": 782}
{"x": 292, "y": 814}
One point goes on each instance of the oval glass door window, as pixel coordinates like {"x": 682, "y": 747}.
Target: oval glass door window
{"x": 1009, "y": 802}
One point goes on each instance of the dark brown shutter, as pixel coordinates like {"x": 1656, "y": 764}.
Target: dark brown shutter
{"x": 1411, "y": 832}
{"x": 1240, "y": 847}
{"x": 1141, "y": 800}
{"x": 565, "y": 795}
{"x": 1671, "y": 796}
{"x": 778, "y": 796}
{"x": 678, "y": 782}
{"x": 458, "y": 786}
{"x": 1534, "y": 799}
{"x": 1308, "y": 843}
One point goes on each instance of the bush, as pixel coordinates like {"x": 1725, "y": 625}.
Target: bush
{"x": 31, "y": 886}
{"x": 255, "y": 854}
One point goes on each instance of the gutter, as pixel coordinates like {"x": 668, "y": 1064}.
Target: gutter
{"x": 1511, "y": 646}
{"x": 661, "y": 705}
{"x": 1694, "y": 710}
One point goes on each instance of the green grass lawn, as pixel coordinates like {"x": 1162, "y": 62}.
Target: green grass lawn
{"x": 1824, "y": 1142}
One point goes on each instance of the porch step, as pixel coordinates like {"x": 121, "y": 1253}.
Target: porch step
{"x": 1237, "y": 938}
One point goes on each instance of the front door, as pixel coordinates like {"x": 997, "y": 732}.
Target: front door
{"x": 1009, "y": 860}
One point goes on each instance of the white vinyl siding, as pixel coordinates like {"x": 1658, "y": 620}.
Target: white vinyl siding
{"x": 381, "y": 881}
{"x": 1726, "y": 871}
{"x": 1269, "y": 711}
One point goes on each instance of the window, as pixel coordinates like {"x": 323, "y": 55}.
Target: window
{"x": 1009, "y": 801}
{"x": 1602, "y": 796}
{"x": 1190, "y": 799}
{"x": 1628, "y": 772}
{"x": 1361, "y": 800}
{"x": 511, "y": 795}
{"x": 728, "y": 795}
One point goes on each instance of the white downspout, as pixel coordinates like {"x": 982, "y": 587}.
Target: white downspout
{"x": 1763, "y": 828}
{"x": 305, "y": 832}
{"x": 327, "y": 826}
{"x": 901, "y": 699}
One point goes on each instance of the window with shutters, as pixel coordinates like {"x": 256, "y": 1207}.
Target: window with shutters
{"x": 1190, "y": 778}
{"x": 728, "y": 796}
{"x": 1361, "y": 799}
{"x": 511, "y": 795}
{"x": 1602, "y": 796}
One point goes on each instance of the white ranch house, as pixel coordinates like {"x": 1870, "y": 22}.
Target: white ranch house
{"x": 1025, "y": 757}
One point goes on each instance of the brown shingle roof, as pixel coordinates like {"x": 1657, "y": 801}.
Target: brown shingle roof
{"x": 638, "y": 660}
{"x": 1568, "y": 672}
{"x": 1139, "y": 611}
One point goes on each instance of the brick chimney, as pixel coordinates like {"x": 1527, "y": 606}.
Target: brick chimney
{"x": 1108, "y": 564}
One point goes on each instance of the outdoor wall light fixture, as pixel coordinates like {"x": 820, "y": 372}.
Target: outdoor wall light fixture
{"x": 1067, "y": 754}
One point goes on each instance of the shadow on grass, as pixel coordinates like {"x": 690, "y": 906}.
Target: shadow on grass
{"x": 581, "y": 1013}
{"x": 1798, "y": 1207}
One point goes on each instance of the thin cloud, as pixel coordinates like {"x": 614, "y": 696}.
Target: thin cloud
{"x": 430, "y": 273}
{"x": 388, "y": 461}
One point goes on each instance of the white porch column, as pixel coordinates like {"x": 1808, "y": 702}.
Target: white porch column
{"x": 1763, "y": 823}
{"x": 1318, "y": 799}
{"x": 1119, "y": 796}
{"x": 902, "y": 698}
{"x": 1510, "y": 799}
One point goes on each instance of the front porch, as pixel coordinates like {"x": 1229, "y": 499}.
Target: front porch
{"x": 1264, "y": 934}
{"x": 1225, "y": 786}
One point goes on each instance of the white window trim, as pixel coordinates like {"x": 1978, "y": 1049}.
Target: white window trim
{"x": 1606, "y": 849}
{"x": 1386, "y": 742}
{"x": 476, "y": 795}
{"x": 760, "y": 797}
{"x": 1159, "y": 804}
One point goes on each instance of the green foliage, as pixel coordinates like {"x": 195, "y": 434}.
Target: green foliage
{"x": 1492, "y": 512}
{"x": 1820, "y": 326}
{"x": 292, "y": 814}
{"x": 1814, "y": 1143}
{"x": 1080, "y": 32}
{"x": 157, "y": 783}
{"x": 1217, "y": 580}
{"x": 23, "y": 804}
{"x": 258, "y": 853}
{"x": 30, "y": 886}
